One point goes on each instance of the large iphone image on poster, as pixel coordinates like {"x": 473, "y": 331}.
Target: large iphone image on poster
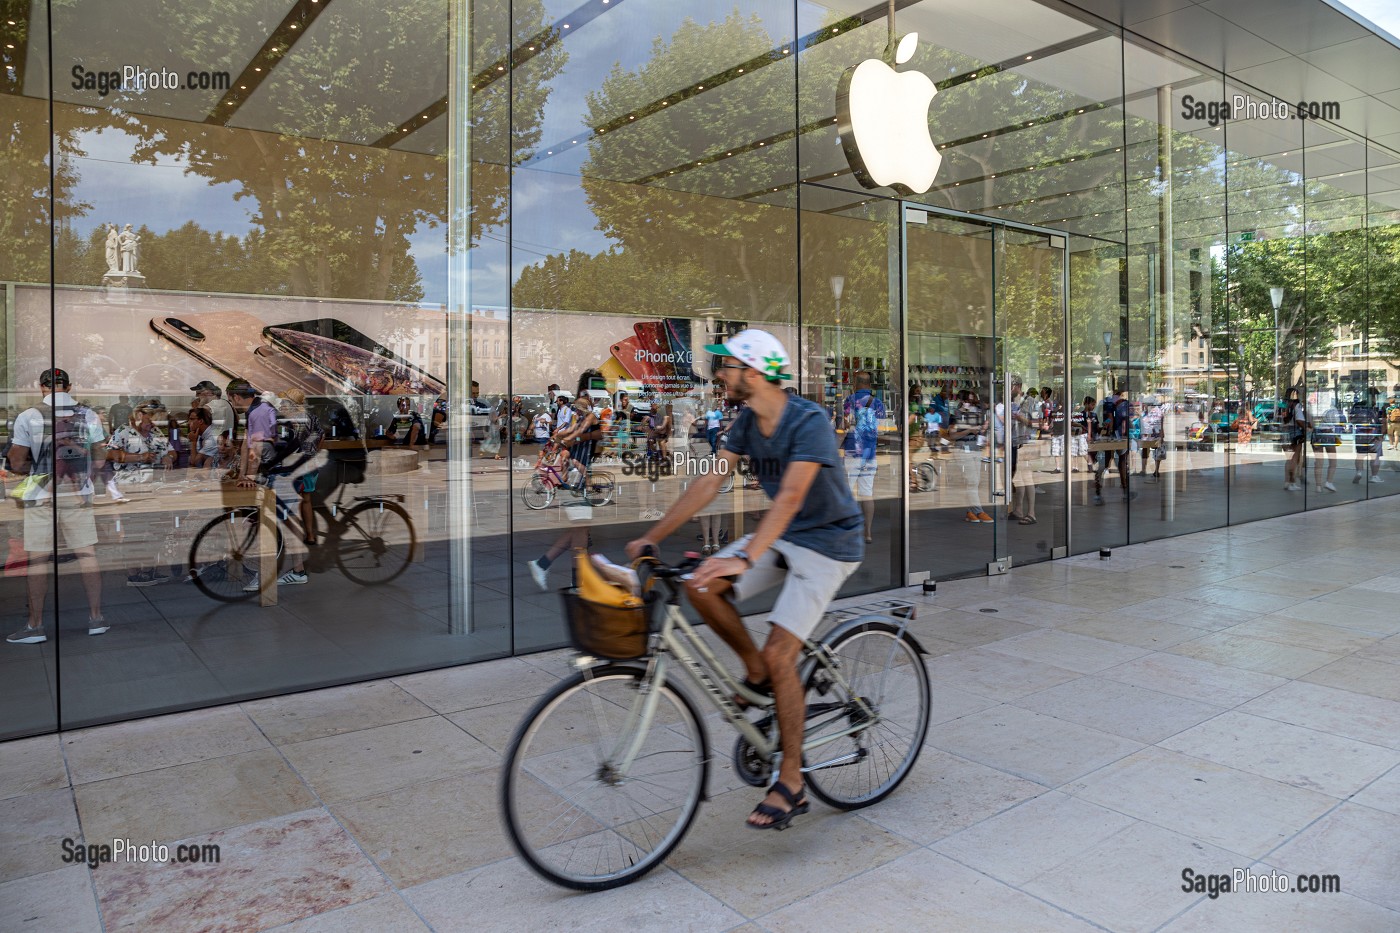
{"x": 232, "y": 343}
{"x": 342, "y": 354}
{"x": 651, "y": 336}
{"x": 638, "y": 367}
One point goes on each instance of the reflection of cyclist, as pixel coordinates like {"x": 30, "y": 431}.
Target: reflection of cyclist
{"x": 813, "y": 528}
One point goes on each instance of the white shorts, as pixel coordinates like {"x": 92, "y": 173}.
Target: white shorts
{"x": 860, "y": 473}
{"x": 1079, "y": 445}
{"x": 809, "y": 580}
{"x": 75, "y": 524}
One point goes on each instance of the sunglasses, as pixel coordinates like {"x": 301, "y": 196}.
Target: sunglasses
{"x": 718, "y": 365}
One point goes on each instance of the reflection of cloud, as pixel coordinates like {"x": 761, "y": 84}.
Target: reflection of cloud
{"x": 161, "y": 196}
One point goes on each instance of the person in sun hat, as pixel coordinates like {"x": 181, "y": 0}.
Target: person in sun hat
{"x": 808, "y": 542}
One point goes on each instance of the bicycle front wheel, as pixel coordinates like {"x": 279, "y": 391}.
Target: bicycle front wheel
{"x": 884, "y": 701}
{"x": 536, "y": 493}
{"x": 224, "y": 556}
{"x": 592, "y": 796}
{"x": 376, "y": 543}
{"x": 600, "y": 487}
{"x": 925, "y": 477}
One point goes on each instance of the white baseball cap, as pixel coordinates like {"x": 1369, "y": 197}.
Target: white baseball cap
{"x": 756, "y": 348}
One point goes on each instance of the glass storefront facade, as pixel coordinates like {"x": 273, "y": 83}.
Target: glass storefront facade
{"x": 417, "y": 227}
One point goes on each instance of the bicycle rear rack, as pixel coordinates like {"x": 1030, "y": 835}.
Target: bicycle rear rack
{"x": 899, "y": 608}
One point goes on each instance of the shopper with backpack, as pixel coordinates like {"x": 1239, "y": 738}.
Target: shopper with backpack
{"x": 58, "y": 447}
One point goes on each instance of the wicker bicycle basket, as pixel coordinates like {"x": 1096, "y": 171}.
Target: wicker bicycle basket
{"x": 619, "y": 634}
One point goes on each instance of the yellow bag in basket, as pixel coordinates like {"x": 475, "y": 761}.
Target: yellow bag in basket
{"x": 594, "y": 588}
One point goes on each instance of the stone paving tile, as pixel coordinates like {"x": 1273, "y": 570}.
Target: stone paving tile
{"x": 1328, "y": 709}
{"x": 147, "y": 744}
{"x": 1213, "y": 804}
{"x": 1193, "y": 679}
{"x": 1285, "y": 912}
{"x": 1253, "y": 654}
{"x": 61, "y": 899}
{"x": 922, "y": 891}
{"x": 1355, "y": 842}
{"x": 319, "y": 713}
{"x": 997, "y": 676}
{"x": 1135, "y": 713}
{"x": 34, "y": 827}
{"x": 1359, "y": 675}
{"x": 1131, "y": 880}
{"x": 28, "y": 766}
{"x": 1067, "y": 650}
{"x": 1291, "y": 754}
{"x": 1038, "y": 748}
{"x": 506, "y": 895}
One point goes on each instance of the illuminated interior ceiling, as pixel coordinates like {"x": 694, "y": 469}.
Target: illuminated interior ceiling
{"x": 1295, "y": 49}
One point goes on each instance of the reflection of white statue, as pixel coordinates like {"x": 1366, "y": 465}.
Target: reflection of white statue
{"x": 112, "y": 238}
{"x": 130, "y": 245}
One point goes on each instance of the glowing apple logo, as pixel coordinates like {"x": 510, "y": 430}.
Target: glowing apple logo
{"x": 882, "y": 116}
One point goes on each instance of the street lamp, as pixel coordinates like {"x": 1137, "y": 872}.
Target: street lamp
{"x": 1276, "y": 297}
{"x": 1107, "y": 342}
{"x": 838, "y": 285}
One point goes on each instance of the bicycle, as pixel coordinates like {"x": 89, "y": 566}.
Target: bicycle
{"x": 372, "y": 540}
{"x": 540, "y": 490}
{"x": 605, "y": 774}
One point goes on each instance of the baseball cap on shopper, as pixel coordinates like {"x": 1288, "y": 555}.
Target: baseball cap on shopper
{"x": 55, "y": 376}
{"x": 206, "y": 386}
{"x": 756, "y": 348}
{"x": 241, "y": 387}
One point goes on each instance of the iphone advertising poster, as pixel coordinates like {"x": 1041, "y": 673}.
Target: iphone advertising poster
{"x": 160, "y": 344}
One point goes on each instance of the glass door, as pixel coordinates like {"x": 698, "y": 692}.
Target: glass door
{"x": 984, "y": 312}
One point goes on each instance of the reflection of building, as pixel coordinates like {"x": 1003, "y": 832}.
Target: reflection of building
{"x": 1069, "y": 236}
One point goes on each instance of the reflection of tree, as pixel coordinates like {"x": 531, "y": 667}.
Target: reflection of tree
{"x": 334, "y": 212}
{"x": 24, "y": 187}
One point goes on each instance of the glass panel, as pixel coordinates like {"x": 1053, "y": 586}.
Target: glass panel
{"x": 852, "y": 360}
{"x": 1269, "y": 324}
{"x": 274, "y": 224}
{"x": 1343, "y": 416}
{"x": 1030, "y": 319}
{"x": 1180, "y": 402}
{"x": 1383, "y": 319}
{"x": 953, "y": 354}
{"x": 27, "y": 670}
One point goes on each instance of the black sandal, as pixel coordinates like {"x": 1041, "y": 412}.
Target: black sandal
{"x": 781, "y": 818}
{"x": 763, "y": 689}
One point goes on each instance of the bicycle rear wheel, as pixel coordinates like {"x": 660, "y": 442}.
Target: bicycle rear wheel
{"x": 536, "y": 493}
{"x": 600, "y": 487}
{"x": 887, "y": 673}
{"x": 224, "y": 555}
{"x": 574, "y": 812}
{"x": 376, "y": 542}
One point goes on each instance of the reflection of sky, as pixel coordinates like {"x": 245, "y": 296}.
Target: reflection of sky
{"x": 125, "y": 192}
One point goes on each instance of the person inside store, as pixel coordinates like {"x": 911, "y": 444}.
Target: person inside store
{"x": 263, "y": 450}
{"x": 57, "y": 446}
{"x": 809, "y": 541}
{"x": 406, "y": 426}
{"x": 203, "y": 439}
{"x": 860, "y": 419}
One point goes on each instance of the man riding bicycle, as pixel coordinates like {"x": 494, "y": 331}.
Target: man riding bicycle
{"x": 810, "y": 541}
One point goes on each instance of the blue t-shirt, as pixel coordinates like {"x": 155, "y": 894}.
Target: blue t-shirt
{"x": 862, "y": 411}
{"x": 830, "y": 521}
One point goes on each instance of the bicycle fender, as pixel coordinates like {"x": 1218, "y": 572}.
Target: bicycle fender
{"x": 862, "y": 622}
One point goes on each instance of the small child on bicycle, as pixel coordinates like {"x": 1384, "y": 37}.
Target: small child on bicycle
{"x": 555, "y": 455}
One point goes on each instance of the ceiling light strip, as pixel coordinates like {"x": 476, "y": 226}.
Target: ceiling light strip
{"x": 288, "y": 32}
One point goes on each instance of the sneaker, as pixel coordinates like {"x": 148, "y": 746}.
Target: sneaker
{"x": 1098, "y": 500}
{"x": 292, "y": 578}
{"x": 97, "y": 626}
{"x": 1329, "y": 487}
{"x": 28, "y": 636}
{"x": 1377, "y": 479}
{"x": 539, "y": 574}
{"x": 971, "y": 516}
{"x": 983, "y": 517}
{"x": 143, "y": 578}
{"x": 1356, "y": 478}
{"x": 254, "y": 584}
